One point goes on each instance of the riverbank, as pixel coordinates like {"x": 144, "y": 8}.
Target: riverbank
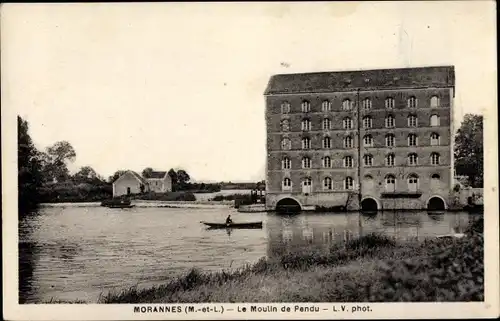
{"x": 370, "y": 269}
{"x": 148, "y": 204}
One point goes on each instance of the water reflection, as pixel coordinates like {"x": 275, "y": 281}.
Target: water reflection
{"x": 288, "y": 234}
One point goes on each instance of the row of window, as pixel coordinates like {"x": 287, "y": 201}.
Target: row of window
{"x": 412, "y": 159}
{"x": 390, "y": 139}
{"x": 390, "y": 183}
{"x": 347, "y": 123}
{"x": 307, "y": 184}
{"x": 348, "y": 104}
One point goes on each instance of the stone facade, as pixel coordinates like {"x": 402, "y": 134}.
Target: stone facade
{"x": 296, "y": 109}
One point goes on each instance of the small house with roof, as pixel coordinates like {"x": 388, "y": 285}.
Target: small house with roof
{"x": 159, "y": 182}
{"x": 133, "y": 183}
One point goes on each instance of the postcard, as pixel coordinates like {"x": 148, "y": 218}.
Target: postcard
{"x": 286, "y": 160}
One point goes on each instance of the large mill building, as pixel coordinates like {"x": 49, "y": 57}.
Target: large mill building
{"x": 376, "y": 138}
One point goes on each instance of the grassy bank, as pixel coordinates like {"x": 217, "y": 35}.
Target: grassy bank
{"x": 373, "y": 268}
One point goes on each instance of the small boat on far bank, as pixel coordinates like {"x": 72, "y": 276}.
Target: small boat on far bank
{"x": 245, "y": 225}
{"x": 117, "y": 203}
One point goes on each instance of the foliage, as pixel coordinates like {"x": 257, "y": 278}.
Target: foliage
{"x": 146, "y": 173}
{"x": 373, "y": 268}
{"x": 69, "y": 191}
{"x": 202, "y": 187}
{"x": 469, "y": 149}
{"x": 29, "y": 168}
{"x": 173, "y": 176}
{"x": 182, "y": 176}
{"x": 88, "y": 175}
{"x": 55, "y": 159}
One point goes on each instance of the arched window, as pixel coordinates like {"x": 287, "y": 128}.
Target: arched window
{"x": 327, "y": 162}
{"x": 368, "y": 160}
{"x": 389, "y": 140}
{"x": 390, "y": 183}
{"x": 285, "y": 125}
{"x": 285, "y": 107}
{"x": 306, "y": 124}
{"x": 368, "y": 141}
{"x": 389, "y": 159}
{"x": 287, "y": 184}
{"x": 412, "y": 159}
{"x": 389, "y": 121}
{"x": 435, "y": 139}
{"x": 306, "y": 106}
{"x": 348, "y": 183}
{"x": 326, "y": 105}
{"x": 327, "y": 183}
{"x": 327, "y": 142}
{"x": 347, "y": 123}
{"x": 435, "y": 120}
{"x": 348, "y": 142}
{"x": 412, "y": 121}
{"x": 367, "y": 104}
{"x": 327, "y": 124}
{"x": 412, "y": 140}
{"x": 389, "y": 103}
{"x": 412, "y": 102}
{"x": 306, "y": 162}
{"x": 413, "y": 182}
{"x": 348, "y": 161}
{"x": 286, "y": 163}
{"x": 286, "y": 144}
{"x": 306, "y": 143}
{"x": 367, "y": 122}
{"x": 346, "y": 104}
{"x": 435, "y": 159}
{"x": 434, "y": 101}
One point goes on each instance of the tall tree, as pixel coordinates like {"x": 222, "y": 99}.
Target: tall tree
{"x": 146, "y": 173}
{"x": 173, "y": 176}
{"x": 183, "y": 176}
{"x": 469, "y": 149}
{"x": 29, "y": 169}
{"x": 56, "y": 159}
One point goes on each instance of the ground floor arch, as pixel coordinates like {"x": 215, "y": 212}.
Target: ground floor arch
{"x": 369, "y": 204}
{"x": 436, "y": 203}
{"x": 288, "y": 205}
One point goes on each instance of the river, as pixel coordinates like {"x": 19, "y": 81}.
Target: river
{"x": 77, "y": 253}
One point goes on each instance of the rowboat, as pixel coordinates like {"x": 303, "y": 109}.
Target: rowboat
{"x": 120, "y": 206}
{"x": 247, "y": 225}
{"x": 117, "y": 203}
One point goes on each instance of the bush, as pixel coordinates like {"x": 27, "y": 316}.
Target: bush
{"x": 70, "y": 192}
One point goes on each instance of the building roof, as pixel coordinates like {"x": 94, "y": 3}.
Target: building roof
{"x": 156, "y": 174}
{"x": 135, "y": 175}
{"x": 335, "y": 81}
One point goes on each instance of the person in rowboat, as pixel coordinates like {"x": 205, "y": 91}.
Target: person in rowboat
{"x": 229, "y": 220}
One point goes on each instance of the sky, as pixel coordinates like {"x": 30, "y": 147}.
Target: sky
{"x": 181, "y": 85}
